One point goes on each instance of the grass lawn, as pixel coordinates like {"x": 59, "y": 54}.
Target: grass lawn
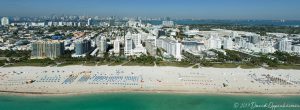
{"x": 225, "y": 65}
{"x": 116, "y": 63}
{"x": 70, "y": 63}
{"x": 195, "y": 66}
{"x": 176, "y": 64}
{"x": 284, "y": 66}
{"x": 130, "y": 63}
{"x": 90, "y": 64}
{"x": 102, "y": 63}
{"x": 246, "y": 66}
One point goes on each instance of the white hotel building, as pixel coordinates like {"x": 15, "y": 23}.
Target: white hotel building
{"x": 116, "y": 46}
{"x": 214, "y": 43}
{"x": 228, "y": 43}
{"x": 285, "y": 45}
{"x": 133, "y": 45}
{"x": 171, "y": 46}
{"x": 296, "y": 48}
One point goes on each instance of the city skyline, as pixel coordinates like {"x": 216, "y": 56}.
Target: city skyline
{"x": 204, "y": 9}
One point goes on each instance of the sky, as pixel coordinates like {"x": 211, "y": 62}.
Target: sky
{"x": 200, "y": 9}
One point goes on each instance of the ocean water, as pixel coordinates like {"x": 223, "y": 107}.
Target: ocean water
{"x": 141, "y": 101}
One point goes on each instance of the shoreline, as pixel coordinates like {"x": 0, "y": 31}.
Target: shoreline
{"x": 166, "y": 80}
{"x": 39, "y": 94}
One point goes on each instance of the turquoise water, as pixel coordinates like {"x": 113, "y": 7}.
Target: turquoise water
{"x": 139, "y": 101}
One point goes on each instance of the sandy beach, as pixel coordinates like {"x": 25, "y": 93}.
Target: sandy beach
{"x": 98, "y": 79}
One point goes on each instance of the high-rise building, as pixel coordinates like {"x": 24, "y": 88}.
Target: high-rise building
{"x": 228, "y": 44}
{"x": 117, "y": 46}
{"x": 172, "y": 47}
{"x": 150, "y": 47}
{"x": 285, "y": 45}
{"x": 296, "y": 48}
{"x": 89, "y": 23}
{"x": 241, "y": 43}
{"x": 47, "y": 49}
{"x": 101, "y": 44}
{"x": 190, "y": 45}
{"x": 137, "y": 39}
{"x": 214, "y": 42}
{"x": 4, "y": 21}
{"x": 82, "y": 47}
{"x": 133, "y": 45}
{"x": 254, "y": 39}
{"x": 128, "y": 49}
{"x": 50, "y": 23}
{"x": 187, "y": 28}
{"x": 79, "y": 24}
